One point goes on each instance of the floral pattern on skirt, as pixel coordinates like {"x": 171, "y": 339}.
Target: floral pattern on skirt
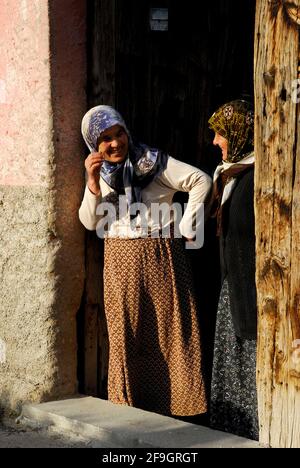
{"x": 233, "y": 390}
{"x": 154, "y": 339}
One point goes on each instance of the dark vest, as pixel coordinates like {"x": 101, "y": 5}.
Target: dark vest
{"x": 237, "y": 248}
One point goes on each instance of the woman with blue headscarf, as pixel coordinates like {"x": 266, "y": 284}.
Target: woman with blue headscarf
{"x": 154, "y": 339}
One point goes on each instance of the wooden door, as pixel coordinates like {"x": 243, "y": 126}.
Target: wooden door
{"x": 166, "y": 85}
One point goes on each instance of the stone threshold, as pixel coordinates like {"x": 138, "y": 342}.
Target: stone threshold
{"x": 104, "y": 424}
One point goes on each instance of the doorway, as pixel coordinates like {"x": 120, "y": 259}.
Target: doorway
{"x": 166, "y": 68}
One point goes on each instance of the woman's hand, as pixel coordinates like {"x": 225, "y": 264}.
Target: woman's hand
{"x": 93, "y": 165}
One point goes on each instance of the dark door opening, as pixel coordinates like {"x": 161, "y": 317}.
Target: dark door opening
{"x": 166, "y": 84}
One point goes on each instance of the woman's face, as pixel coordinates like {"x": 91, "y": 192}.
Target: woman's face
{"x": 113, "y": 144}
{"x": 222, "y": 143}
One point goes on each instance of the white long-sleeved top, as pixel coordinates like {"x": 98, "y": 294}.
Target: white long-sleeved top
{"x": 177, "y": 176}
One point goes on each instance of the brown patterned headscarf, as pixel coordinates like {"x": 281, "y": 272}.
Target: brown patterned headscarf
{"x": 235, "y": 122}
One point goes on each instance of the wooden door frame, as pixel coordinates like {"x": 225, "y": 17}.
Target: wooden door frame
{"x": 277, "y": 203}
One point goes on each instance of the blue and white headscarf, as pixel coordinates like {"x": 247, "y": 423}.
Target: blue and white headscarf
{"x": 142, "y": 165}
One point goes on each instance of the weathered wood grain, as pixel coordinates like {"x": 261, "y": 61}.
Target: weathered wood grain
{"x": 277, "y": 222}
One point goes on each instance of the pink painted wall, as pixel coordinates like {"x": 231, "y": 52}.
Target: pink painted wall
{"x": 68, "y": 87}
{"x": 25, "y": 98}
{"x": 42, "y": 101}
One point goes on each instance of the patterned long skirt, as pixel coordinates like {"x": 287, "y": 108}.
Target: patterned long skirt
{"x": 154, "y": 339}
{"x": 233, "y": 389}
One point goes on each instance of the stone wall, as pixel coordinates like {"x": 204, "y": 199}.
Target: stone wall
{"x": 42, "y": 100}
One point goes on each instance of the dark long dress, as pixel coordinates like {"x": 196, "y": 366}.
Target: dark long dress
{"x": 233, "y": 406}
{"x": 233, "y": 389}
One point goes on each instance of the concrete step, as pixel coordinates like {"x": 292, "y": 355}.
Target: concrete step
{"x": 105, "y": 424}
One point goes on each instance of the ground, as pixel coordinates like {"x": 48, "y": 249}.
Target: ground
{"x": 14, "y": 435}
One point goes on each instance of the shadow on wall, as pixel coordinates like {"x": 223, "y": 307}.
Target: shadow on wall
{"x": 8, "y": 409}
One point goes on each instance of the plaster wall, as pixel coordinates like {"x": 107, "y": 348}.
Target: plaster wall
{"x": 42, "y": 100}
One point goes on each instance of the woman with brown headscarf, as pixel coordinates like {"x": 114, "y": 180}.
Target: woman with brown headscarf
{"x": 233, "y": 391}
